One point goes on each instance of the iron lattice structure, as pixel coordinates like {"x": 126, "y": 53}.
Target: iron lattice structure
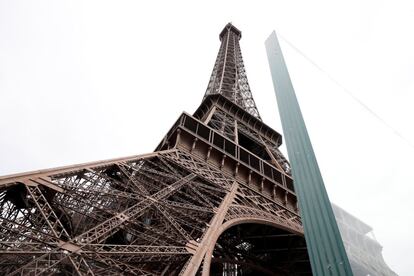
{"x": 215, "y": 198}
{"x": 229, "y": 76}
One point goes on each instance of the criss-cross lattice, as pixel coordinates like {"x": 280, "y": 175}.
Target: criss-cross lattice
{"x": 229, "y": 75}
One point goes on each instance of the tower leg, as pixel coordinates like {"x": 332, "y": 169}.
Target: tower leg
{"x": 210, "y": 235}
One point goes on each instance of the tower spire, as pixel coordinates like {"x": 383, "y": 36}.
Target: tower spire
{"x": 229, "y": 75}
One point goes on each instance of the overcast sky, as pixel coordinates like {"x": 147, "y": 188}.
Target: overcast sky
{"x": 88, "y": 80}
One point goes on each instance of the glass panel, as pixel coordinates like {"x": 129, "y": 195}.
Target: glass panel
{"x": 254, "y": 162}
{"x": 230, "y": 148}
{"x": 218, "y": 141}
{"x": 190, "y": 124}
{"x": 267, "y": 170}
{"x": 244, "y": 156}
{"x": 203, "y": 131}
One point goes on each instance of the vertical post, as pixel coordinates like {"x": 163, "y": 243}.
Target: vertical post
{"x": 324, "y": 243}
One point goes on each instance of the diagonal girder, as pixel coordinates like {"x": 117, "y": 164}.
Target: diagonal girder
{"x": 111, "y": 224}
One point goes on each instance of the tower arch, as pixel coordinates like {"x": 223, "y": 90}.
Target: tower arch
{"x": 246, "y": 225}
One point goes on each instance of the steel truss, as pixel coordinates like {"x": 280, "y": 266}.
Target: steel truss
{"x": 171, "y": 212}
{"x": 229, "y": 75}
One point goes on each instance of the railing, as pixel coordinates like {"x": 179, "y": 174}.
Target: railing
{"x": 226, "y": 145}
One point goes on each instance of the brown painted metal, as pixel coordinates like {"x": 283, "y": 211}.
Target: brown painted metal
{"x": 229, "y": 76}
{"x": 217, "y": 185}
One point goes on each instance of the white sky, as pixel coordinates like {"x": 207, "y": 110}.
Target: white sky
{"x": 89, "y": 80}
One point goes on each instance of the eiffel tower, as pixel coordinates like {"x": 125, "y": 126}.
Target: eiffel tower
{"x": 215, "y": 198}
